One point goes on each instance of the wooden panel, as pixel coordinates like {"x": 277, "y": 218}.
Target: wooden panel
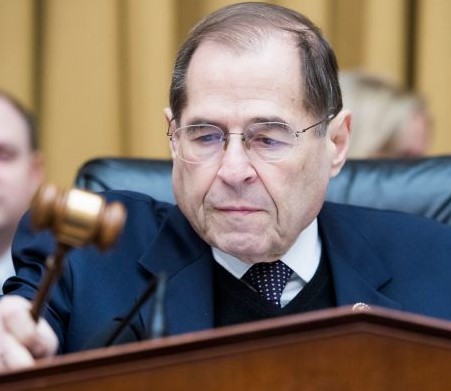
{"x": 17, "y": 61}
{"x": 385, "y": 43}
{"x": 149, "y": 51}
{"x": 326, "y": 350}
{"x": 349, "y": 33}
{"x": 81, "y": 115}
{"x": 434, "y": 64}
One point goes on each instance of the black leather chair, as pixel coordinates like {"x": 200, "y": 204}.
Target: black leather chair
{"x": 418, "y": 186}
{"x": 148, "y": 176}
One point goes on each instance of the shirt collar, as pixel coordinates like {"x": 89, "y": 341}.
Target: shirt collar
{"x": 6, "y": 267}
{"x": 303, "y": 256}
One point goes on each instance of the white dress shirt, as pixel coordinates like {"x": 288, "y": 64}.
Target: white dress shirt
{"x": 303, "y": 258}
{"x": 6, "y": 267}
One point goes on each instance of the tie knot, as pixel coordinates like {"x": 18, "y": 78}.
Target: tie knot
{"x": 269, "y": 279}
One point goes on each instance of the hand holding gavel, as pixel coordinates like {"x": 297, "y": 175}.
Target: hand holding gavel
{"x": 76, "y": 218}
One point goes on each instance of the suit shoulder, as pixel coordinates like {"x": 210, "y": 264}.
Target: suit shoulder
{"x": 389, "y": 220}
{"x": 137, "y": 201}
{"x": 145, "y": 215}
{"x": 130, "y": 196}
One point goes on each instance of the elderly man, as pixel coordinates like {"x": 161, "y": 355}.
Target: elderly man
{"x": 256, "y": 128}
{"x": 20, "y": 173}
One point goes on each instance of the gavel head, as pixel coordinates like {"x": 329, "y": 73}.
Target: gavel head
{"x": 76, "y": 217}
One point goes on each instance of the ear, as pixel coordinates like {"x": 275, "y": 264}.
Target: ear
{"x": 339, "y": 133}
{"x": 36, "y": 172}
{"x": 169, "y": 119}
{"x": 168, "y": 115}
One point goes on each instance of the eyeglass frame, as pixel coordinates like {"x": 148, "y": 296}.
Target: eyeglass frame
{"x": 225, "y": 140}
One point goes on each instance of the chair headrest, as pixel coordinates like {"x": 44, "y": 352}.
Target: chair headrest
{"x": 418, "y": 186}
{"x": 148, "y": 176}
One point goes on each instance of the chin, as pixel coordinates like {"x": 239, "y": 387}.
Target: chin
{"x": 248, "y": 248}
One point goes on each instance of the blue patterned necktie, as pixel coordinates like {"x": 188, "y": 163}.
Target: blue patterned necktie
{"x": 268, "y": 279}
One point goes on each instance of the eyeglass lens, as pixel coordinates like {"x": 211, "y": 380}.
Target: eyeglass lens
{"x": 269, "y": 141}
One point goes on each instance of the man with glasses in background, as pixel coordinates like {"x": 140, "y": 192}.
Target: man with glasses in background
{"x": 257, "y": 129}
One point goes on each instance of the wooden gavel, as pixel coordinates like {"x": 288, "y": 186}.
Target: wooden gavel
{"x": 76, "y": 218}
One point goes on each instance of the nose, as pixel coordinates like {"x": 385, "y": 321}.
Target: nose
{"x": 236, "y": 168}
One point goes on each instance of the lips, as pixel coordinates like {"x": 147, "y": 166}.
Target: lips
{"x": 238, "y": 209}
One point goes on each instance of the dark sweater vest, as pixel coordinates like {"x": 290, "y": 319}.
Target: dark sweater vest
{"x": 236, "y": 303}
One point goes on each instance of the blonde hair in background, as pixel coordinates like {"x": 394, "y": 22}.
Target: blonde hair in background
{"x": 387, "y": 121}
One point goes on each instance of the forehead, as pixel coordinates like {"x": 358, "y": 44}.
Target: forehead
{"x": 13, "y": 128}
{"x": 230, "y": 80}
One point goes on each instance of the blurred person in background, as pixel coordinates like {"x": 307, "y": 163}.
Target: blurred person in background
{"x": 21, "y": 172}
{"x": 388, "y": 121}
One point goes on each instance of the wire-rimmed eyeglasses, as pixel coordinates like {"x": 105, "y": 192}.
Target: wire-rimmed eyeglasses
{"x": 264, "y": 141}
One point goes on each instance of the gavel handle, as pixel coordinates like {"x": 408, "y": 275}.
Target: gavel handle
{"x": 54, "y": 269}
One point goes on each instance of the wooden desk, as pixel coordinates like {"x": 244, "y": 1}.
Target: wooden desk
{"x": 335, "y": 349}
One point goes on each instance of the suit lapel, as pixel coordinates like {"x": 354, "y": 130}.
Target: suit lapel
{"x": 187, "y": 262}
{"x": 359, "y": 274}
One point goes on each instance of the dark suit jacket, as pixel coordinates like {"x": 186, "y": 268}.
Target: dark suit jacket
{"x": 386, "y": 259}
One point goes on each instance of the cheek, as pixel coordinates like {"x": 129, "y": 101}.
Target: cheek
{"x": 299, "y": 191}
{"x": 14, "y": 176}
{"x": 191, "y": 183}
{"x": 16, "y": 187}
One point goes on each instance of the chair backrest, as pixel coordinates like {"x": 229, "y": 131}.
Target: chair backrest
{"x": 418, "y": 186}
{"x": 148, "y": 176}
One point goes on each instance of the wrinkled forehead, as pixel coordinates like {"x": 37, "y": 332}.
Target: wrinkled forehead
{"x": 268, "y": 71}
{"x": 274, "y": 54}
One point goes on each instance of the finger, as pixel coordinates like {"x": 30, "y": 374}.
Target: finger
{"x": 14, "y": 355}
{"x": 17, "y": 319}
{"x": 21, "y": 338}
{"x": 45, "y": 342}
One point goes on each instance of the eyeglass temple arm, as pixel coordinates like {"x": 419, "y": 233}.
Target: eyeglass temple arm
{"x": 328, "y": 118}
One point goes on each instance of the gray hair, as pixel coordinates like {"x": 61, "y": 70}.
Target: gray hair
{"x": 243, "y": 26}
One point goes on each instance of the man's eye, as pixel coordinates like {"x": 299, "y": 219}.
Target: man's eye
{"x": 271, "y": 138}
{"x": 203, "y": 134}
{"x": 209, "y": 137}
{"x": 7, "y": 155}
{"x": 265, "y": 141}
{"x": 271, "y": 135}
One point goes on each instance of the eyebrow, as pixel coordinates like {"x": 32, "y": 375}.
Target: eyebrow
{"x": 268, "y": 119}
{"x": 202, "y": 120}
{"x": 253, "y": 120}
